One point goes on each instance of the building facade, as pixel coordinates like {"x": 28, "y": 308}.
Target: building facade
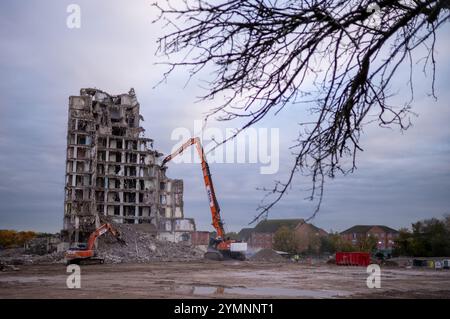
{"x": 112, "y": 170}
{"x": 308, "y": 237}
{"x": 262, "y": 236}
{"x": 385, "y": 235}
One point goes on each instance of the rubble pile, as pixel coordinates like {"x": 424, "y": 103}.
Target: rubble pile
{"x": 142, "y": 247}
{"x": 37, "y": 246}
{"x": 267, "y": 255}
{"x": 19, "y": 256}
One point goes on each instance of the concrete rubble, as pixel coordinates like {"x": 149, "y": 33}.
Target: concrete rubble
{"x": 142, "y": 247}
{"x": 9, "y": 258}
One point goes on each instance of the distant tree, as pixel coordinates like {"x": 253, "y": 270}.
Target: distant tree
{"x": 12, "y": 238}
{"x": 429, "y": 238}
{"x": 337, "y": 58}
{"x": 314, "y": 244}
{"x": 367, "y": 244}
{"x": 447, "y": 221}
{"x": 327, "y": 244}
{"x": 403, "y": 243}
{"x": 44, "y": 235}
{"x": 334, "y": 242}
{"x": 285, "y": 240}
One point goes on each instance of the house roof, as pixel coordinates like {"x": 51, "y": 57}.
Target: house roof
{"x": 358, "y": 229}
{"x": 314, "y": 228}
{"x": 272, "y": 225}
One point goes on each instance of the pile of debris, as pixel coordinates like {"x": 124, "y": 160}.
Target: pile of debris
{"x": 268, "y": 255}
{"x": 19, "y": 256}
{"x": 141, "y": 247}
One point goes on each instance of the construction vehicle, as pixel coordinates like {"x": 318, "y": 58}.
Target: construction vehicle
{"x": 219, "y": 247}
{"x": 86, "y": 253}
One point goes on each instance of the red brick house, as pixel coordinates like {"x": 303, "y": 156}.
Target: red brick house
{"x": 263, "y": 234}
{"x": 261, "y": 240}
{"x": 385, "y": 235}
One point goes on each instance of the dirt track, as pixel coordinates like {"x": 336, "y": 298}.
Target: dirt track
{"x": 230, "y": 279}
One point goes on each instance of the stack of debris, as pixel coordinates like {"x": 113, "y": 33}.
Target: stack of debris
{"x": 19, "y": 256}
{"x": 142, "y": 247}
{"x": 268, "y": 255}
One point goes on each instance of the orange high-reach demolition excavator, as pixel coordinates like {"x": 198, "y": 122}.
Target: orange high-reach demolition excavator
{"x": 85, "y": 253}
{"x": 219, "y": 247}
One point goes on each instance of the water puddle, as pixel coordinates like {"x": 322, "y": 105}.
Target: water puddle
{"x": 259, "y": 292}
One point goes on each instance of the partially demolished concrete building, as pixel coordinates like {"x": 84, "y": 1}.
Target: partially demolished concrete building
{"x": 112, "y": 170}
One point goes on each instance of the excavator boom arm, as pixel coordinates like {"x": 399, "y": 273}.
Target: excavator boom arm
{"x": 99, "y": 232}
{"x": 213, "y": 204}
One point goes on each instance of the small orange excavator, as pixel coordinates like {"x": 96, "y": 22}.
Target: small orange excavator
{"x": 85, "y": 253}
{"x": 219, "y": 247}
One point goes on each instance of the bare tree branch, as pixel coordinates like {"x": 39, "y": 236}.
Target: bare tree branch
{"x": 270, "y": 53}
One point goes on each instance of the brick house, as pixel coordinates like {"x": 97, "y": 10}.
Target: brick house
{"x": 261, "y": 240}
{"x": 385, "y": 235}
{"x": 308, "y": 237}
{"x": 262, "y": 236}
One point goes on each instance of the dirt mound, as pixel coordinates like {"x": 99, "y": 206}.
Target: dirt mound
{"x": 141, "y": 247}
{"x": 267, "y": 255}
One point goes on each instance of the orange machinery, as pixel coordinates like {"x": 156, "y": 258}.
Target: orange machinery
{"x": 219, "y": 247}
{"x": 86, "y": 253}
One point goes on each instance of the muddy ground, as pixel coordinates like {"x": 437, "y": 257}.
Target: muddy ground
{"x": 231, "y": 279}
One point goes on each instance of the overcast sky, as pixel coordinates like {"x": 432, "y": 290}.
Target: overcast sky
{"x": 401, "y": 178}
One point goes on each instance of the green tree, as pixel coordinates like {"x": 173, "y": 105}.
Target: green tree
{"x": 327, "y": 245}
{"x": 367, "y": 244}
{"x": 314, "y": 244}
{"x": 429, "y": 238}
{"x": 403, "y": 243}
{"x": 285, "y": 240}
{"x": 344, "y": 245}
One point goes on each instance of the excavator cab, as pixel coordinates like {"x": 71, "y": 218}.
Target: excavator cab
{"x": 79, "y": 246}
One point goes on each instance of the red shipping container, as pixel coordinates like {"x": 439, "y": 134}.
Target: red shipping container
{"x": 353, "y": 259}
